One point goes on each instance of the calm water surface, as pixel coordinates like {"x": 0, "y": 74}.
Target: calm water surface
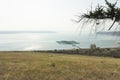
{"x": 10, "y": 41}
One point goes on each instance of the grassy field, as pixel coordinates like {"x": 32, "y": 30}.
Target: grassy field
{"x": 48, "y": 66}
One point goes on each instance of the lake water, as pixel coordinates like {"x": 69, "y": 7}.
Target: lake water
{"x": 17, "y": 41}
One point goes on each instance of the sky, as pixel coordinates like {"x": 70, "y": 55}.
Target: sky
{"x": 43, "y": 15}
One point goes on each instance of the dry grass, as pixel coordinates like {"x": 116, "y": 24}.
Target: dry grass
{"x": 45, "y": 66}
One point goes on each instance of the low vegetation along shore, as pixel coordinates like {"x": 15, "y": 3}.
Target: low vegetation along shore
{"x": 93, "y": 51}
{"x": 49, "y": 66}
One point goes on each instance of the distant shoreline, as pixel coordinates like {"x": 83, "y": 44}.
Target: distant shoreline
{"x": 114, "y": 33}
{"x": 17, "y": 32}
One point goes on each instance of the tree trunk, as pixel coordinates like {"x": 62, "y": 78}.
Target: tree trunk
{"x": 112, "y": 24}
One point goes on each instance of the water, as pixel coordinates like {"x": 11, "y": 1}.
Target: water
{"x": 17, "y": 41}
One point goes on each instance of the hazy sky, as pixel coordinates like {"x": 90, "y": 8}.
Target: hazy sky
{"x": 55, "y": 15}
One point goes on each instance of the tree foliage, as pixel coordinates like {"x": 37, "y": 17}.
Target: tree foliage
{"x": 110, "y": 11}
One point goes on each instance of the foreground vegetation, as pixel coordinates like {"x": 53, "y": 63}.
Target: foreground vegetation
{"x": 48, "y": 66}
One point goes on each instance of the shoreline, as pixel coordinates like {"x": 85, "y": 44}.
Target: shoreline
{"x": 101, "y": 52}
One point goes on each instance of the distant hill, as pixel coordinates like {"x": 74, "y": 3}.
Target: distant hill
{"x": 17, "y": 32}
{"x": 114, "y": 33}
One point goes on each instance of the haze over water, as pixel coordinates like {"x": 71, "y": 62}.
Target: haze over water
{"x": 46, "y": 40}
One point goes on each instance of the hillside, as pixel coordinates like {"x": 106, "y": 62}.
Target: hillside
{"x": 48, "y": 66}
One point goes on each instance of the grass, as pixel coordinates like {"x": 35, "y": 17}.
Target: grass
{"x": 45, "y": 66}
